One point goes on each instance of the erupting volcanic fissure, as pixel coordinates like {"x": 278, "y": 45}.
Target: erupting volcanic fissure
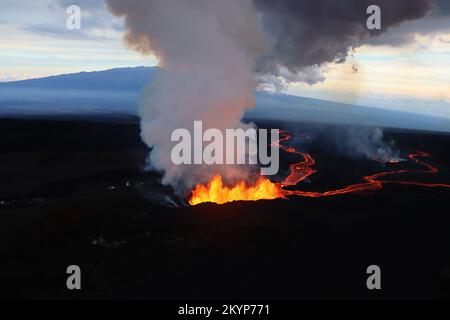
{"x": 215, "y": 191}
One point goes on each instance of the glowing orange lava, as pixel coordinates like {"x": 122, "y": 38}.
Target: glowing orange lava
{"x": 216, "y": 192}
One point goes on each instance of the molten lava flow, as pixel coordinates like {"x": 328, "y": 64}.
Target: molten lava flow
{"x": 299, "y": 171}
{"x": 373, "y": 182}
{"x": 216, "y": 192}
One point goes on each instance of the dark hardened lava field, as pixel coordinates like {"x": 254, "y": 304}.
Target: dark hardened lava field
{"x": 74, "y": 192}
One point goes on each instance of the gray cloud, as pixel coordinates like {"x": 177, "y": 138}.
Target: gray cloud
{"x": 305, "y": 33}
{"x": 443, "y": 7}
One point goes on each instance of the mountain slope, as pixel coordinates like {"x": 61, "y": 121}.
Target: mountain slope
{"x": 122, "y": 79}
{"x": 116, "y": 92}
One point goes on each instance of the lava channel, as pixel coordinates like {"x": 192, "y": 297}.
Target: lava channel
{"x": 215, "y": 191}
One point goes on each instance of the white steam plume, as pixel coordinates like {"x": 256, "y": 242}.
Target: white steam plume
{"x": 207, "y": 49}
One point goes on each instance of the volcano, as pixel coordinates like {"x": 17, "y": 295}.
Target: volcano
{"x": 89, "y": 202}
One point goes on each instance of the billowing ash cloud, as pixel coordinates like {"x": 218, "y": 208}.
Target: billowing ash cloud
{"x": 213, "y": 50}
{"x": 306, "y": 33}
{"x": 207, "y": 49}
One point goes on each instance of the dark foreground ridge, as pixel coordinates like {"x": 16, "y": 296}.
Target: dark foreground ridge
{"x": 75, "y": 193}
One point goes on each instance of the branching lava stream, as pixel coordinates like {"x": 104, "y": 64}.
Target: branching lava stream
{"x": 216, "y": 192}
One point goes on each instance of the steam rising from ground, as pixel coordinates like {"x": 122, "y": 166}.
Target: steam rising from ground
{"x": 367, "y": 142}
{"x": 211, "y": 50}
{"x": 207, "y": 49}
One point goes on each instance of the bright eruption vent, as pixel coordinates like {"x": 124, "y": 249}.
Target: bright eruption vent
{"x": 215, "y": 191}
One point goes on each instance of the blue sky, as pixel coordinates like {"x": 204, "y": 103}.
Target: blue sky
{"x": 413, "y": 76}
{"x": 35, "y": 41}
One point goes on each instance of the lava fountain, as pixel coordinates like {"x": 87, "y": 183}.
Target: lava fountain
{"x": 215, "y": 191}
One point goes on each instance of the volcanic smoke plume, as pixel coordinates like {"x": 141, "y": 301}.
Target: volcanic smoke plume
{"x": 210, "y": 51}
{"x": 207, "y": 49}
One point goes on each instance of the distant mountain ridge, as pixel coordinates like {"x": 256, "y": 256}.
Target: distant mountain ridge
{"x": 123, "y": 79}
{"x": 117, "y": 92}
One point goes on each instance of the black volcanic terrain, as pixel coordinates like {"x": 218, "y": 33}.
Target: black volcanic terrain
{"x": 75, "y": 192}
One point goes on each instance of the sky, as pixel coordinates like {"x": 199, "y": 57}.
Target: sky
{"x": 411, "y": 74}
{"x": 35, "y": 42}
